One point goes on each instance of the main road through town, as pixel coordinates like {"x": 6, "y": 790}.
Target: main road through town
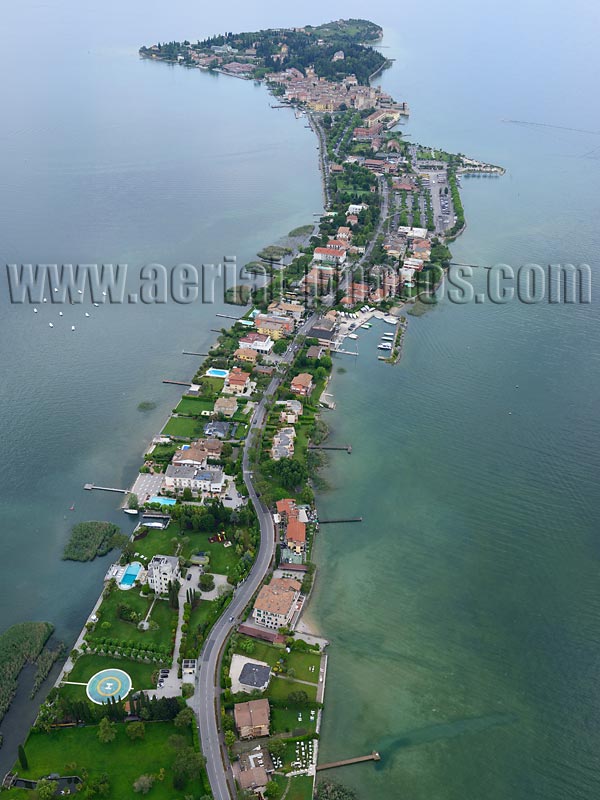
{"x": 206, "y": 698}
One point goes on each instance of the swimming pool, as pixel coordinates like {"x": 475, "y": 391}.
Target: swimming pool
{"x": 130, "y": 575}
{"x": 213, "y": 372}
{"x": 164, "y": 501}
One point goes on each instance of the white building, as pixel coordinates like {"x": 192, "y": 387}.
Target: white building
{"x": 261, "y": 342}
{"x": 277, "y": 603}
{"x": 163, "y": 570}
{"x": 190, "y": 477}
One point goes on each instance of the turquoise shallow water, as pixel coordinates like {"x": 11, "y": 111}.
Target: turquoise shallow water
{"x": 464, "y": 611}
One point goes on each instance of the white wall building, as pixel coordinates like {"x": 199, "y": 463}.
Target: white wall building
{"x": 163, "y": 570}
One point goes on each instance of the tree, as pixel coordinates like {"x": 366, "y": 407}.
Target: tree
{"x": 136, "y": 730}
{"x": 23, "y": 757}
{"x": 280, "y": 347}
{"x": 106, "y": 730}
{"x": 98, "y": 786}
{"x": 229, "y": 739}
{"x": 300, "y": 698}
{"x": 273, "y": 790}
{"x": 133, "y": 502}
{"x": 46, "y": 789}
{"x": 207, "y": 582}
{"x": 187, "y": 494}
{"x": 143, "y": 784}
{"x": 276, "y": 748}
{"x": 184, "y": 718}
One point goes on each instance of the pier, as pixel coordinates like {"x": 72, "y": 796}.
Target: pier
{"x": 228, "y": 316}
{"x": 191, "y": 353}
{"x": 177, "y": 383}
{"x": 346, "y": 762}
{"x": 345, "y": 352}
{"x": 346, "y": 447}
{"x": 335, "y": 521}
{"x": 91, "y": 486}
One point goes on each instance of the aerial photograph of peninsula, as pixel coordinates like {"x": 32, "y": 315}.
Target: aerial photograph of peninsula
{"x": 299, "y": 417}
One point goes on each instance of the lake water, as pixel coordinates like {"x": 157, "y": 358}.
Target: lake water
{"x": 464, "y": 611}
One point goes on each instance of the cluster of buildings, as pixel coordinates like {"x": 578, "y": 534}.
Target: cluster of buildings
{"x": 278, "y": 603}
{"x": 320, "y": 94}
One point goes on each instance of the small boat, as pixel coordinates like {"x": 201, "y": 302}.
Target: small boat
{"x": 384, "y": 346}
{"x": 55, "y": 289}
{"x": 45, "y": 299}
{"x": 352, "y": 336}
{"x": 104, "y": 294}
{"x": 131, "y": 511}
{"x": 95, "y": 305}
{"x": 35, "y": 310}
{"x": 86, "y": 313}
{"x": 60, "y": 313}
{"x": 50, "y": 325}
{"x": 72, "y": 327}
{"x": 72, "y": 508}
{"x": 79, "y": 291}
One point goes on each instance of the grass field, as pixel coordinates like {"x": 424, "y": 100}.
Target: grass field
{"x": 222, "y": 559}
{"x": 185, "y": 427}
{"x": 285, "y": 720}
{"x": 86, "y": 666}
{"x": 162, "y": 614}
{"x": 157, "y": 542}
{"x": 280, "y": 688}
{"x": 194, "y": 406}
{"x": 72, "y": 750}
{"x": 299, "y": 662}
{"x": 301, "y": 787}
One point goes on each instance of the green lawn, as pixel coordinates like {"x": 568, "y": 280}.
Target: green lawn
{"x": 301, "y": 787}
{"x": 280, "y": 688}
{"x": 222, "y": 559}
{"x": 162, "y": 614}
{"x": 285, "y": 720}
{"x": 194, "y": 406}
{"x": 86, "y": 666}
{"x": 72, "y": 750}
{"x": 299, "y": 662}
{"x": 157, "y": 542}
{"x": 185, "y": 427}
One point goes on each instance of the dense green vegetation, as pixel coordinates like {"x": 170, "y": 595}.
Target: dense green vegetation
{"x": 91, "y": 539}
{"x": 165, "y": 751}
{"x": 19, "y": 645}
{"x": 279, "y": 49}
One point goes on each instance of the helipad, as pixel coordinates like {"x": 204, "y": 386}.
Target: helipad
{"x": 109, "y": 683}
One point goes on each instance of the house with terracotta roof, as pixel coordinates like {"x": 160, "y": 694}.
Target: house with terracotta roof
{"x": 237, "y": 382}
{"x": 246, "y": 354}
{"x": 254, "y": 779}
{"x": 252, "y": 718}
{"x": 226, "y": 406}
{"x": 261, "y": 342}
{"x": 295, "y": 535}
{"x": 344, "y": 233}
{"x": 274, "y": 326}
{"x": 277, "y": 603}
{"x": 352, "y": 219}
{"x": 330, "y": 255}
{"x": 302, "y": 384}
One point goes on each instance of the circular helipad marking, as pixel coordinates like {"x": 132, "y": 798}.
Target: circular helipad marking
{"x": 108, "y": 683}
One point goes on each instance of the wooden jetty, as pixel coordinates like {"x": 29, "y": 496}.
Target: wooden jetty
{"x": 346, "y": 447}
{"x": 333, "y": 521}
{"x": 347, "y": 761}
{"x": 90, "y": 486}
{"x": 191, "y": 353}
{"x": 228, "y": 316}
{"x": 345, "y": 352}
{"x": 177, "y": 383}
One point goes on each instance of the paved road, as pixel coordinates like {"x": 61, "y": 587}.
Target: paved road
{"x": 206, "y": 698}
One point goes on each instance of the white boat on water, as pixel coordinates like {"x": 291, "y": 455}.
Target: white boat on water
{"x": 131, "y": 511}
{"x": 352, "y": 336}
{"x": 384, "y": 346}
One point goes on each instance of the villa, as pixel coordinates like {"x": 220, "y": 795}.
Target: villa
{"x": 197, "y": 480}
{"x": 295, "y": 535}
{"x": 237, "y": 382}
{"x": 226, "y": 406}
{"x": 163, "y": 570}
{"x": 302, "y": 384}
{"x": 246, "y": 354}
{"x": 261, "y": 342}
{"x": 277, "y": 603}
{"x": 252, "y": 718}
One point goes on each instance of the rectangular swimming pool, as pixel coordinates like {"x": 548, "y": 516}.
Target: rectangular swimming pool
{"x": 213, "y": 372}
{"x": 164, "y": 501}
{"x": 130, "y": 574}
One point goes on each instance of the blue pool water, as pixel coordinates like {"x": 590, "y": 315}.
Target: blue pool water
{"x": 164, "y": 501}
{"x": 130, "y": 574}
{"x": 213, "y": 372}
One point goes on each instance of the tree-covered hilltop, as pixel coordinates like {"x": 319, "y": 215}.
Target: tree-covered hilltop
{"x": 335, "y": 49}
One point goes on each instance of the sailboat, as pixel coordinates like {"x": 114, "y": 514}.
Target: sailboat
{"x": 72, "y": 508}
